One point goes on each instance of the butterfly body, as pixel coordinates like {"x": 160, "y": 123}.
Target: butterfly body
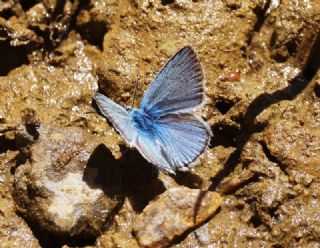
{"x": 164, "y": 128}
{"x": 141, "y": 121}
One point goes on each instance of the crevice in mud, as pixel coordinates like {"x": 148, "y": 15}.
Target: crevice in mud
{"x": 93, "y": 32}
{"x": 7, "y": 144}
{"x": 22, "y": 157}
{"x": 58, "y": 9}
{"x": 272, "y": 212}
{"x": 60, "y": 23}
{"x": 166, "y": 2}
{"x": 316, "y": 90}
{"x": 270, "y": 157}
{"x": 224, "y": 135}
{"x": 233, "y": 6}
{"x": 224, "y": 105}
{"x": 28, "y": 4}
{"x": 313, "y": 61}
{"x": 7, "y": 13}
{"x": 292, "y": 47}
{"x": 261, "y": 14}
{"x": 15, "y": 57}
{"x": 256, "y": 221}
{"x": 31, "y": 128}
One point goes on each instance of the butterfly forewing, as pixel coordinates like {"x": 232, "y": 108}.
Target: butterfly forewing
{"x": 118, "y": 116}
{"x": 177, "y": 88}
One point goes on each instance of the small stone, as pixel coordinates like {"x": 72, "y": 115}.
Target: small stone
{"x": 173, "y": 213}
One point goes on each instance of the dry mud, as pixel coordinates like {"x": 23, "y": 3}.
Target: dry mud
{"x": 67, "y": 178}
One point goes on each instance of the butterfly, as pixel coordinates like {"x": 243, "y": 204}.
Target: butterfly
{"x": 165, "y": 128}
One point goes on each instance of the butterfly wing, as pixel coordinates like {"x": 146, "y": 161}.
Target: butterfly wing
{"x": 177, "y": 141}
{"x": 152, "y": 151}
{"x": 177, "y": 88}
{"x": 118, "y": 116}
{"x": 184, "y": 137}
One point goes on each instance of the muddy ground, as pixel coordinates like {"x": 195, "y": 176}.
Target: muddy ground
{"x": 67, "y": 178}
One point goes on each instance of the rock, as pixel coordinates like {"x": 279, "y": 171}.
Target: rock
{"x": 172, "y": 214}
{"x": 17, "y": 35}
{"x": 68, "y": 186}
{"x": 296, "y": 147}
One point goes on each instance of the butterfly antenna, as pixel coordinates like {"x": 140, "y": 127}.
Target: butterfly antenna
{"x": 135, "y": 90}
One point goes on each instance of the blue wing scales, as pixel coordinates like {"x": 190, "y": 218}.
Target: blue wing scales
{"x": 177, "y": 88}
{"x": 184, "y": 138}
{"x": 118, "y": 116}
{"x": 177, "y": 141}
{"x": 152, "y": 151}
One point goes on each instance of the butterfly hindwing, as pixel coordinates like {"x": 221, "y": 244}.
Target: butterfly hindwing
{"x": 183, "y": 137}
{"x": 152, "y": 151}
{"x": 174, "y": 141}
{"x": 117, "y": 115}
{"x": 177, "y": 88}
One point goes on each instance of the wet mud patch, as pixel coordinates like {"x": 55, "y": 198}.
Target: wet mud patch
{"x": 67, "y": 178}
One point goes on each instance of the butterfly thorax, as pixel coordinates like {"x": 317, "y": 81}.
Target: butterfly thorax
{"x": 141, "y": 121}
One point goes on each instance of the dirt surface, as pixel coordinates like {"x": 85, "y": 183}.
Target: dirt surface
{"x": 68, "y": 180}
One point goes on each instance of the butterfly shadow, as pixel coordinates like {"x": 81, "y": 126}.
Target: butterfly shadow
{"x": 187, "y": 179}
{"x": 140, "y": 179}
{"x": 103, "y": 171}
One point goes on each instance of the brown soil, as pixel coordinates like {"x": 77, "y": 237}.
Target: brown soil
{"x": 261, "y": 61}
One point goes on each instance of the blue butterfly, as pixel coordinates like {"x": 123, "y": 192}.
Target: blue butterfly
{"x": 164, "y": 128}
